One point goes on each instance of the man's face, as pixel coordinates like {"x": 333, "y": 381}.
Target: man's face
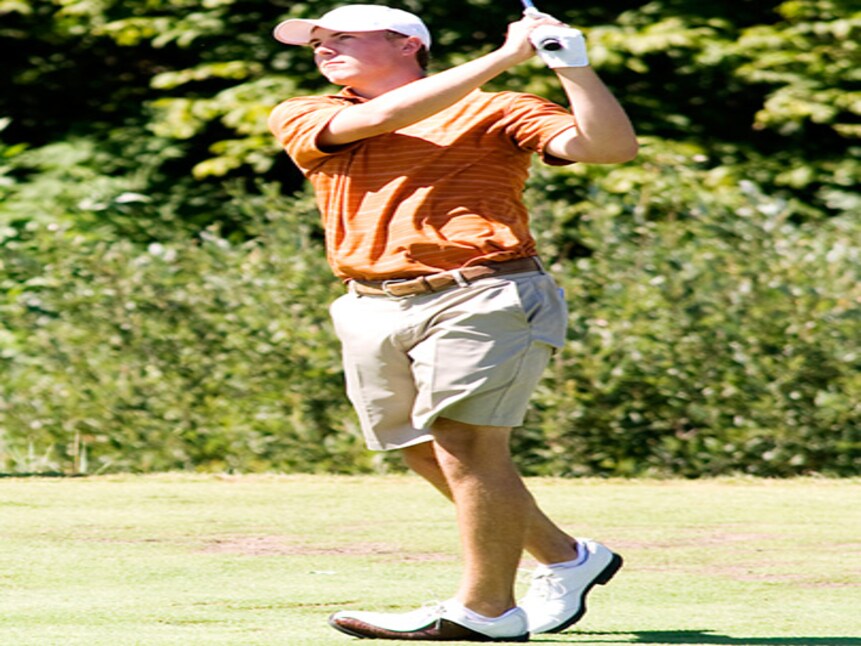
{"x": 349, "y": 57}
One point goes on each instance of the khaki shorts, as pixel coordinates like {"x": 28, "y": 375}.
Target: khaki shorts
{"x": 471, "y": 354}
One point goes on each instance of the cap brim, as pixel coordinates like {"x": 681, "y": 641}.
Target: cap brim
{"x": 298, "y": 31}
{"x": 295, "y": 31}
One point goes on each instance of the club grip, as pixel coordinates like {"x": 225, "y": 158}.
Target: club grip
{"x": 550, "y": 44}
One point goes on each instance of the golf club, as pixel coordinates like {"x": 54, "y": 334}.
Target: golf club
{"x": 549, "y": 43}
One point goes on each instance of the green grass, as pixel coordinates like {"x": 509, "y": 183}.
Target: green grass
{"x": 200, "y": 560}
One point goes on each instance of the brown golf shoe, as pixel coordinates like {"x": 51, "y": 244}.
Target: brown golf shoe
{"x": 448, "y": 621}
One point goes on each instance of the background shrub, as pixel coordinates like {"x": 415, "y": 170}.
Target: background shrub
{"x": 722, "y": 340}
{"x": 163, "y": 289}
{"x": 725, "y": 340}
{"x": 203, "y": 354}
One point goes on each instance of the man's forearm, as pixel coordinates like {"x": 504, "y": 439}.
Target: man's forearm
{"x": 604, "y": 133}
{"x": 420, "y": 99}
{"x": 408, "y": 104}
{"x": 417, "y": 100}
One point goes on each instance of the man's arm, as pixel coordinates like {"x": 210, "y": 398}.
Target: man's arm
{"x": 425, "y": 97}
{"x": 603, "y": 134}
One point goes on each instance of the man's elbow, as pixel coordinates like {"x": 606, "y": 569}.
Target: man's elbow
{"x": 627, "y": 153}
{"x": 617, "y": 154}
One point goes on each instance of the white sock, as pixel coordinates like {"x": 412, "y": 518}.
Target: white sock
{"x": 580, "y": 559}
{"x": 472, "y": 615}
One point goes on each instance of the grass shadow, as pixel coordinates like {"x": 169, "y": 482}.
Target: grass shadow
{"x": 41, "y": 474}
{"x": 710, "y": 637}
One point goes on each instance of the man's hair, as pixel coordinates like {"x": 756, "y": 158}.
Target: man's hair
{"x": 422, "y": 56}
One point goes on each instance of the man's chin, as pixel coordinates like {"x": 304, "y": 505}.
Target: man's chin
{"x": 337, "y": 78}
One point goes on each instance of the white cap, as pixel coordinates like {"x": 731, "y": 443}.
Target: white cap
{"x": 355, "y": 17}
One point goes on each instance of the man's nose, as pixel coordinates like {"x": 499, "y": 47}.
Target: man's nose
{"x": 324, "y": 49}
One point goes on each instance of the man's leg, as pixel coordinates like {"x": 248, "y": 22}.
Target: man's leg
{"x": 493, "y": 507}
{"x": 557, "y": 595}
{"x": 545, "y": 541}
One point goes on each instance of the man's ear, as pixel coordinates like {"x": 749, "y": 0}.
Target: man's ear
{"x": 411, "y": 45}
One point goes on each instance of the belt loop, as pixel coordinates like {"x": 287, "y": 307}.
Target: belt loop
{"x": 458, "y": 278}
{"x": 387, "y": 290}
{"x": 539, "y": 264}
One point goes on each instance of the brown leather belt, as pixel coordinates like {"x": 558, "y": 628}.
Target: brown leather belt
{"x": 443, "y": 280}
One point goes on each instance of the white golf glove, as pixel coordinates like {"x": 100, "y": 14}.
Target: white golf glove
{"x": 560, "y": 46}
{"x": 556, "y": 45}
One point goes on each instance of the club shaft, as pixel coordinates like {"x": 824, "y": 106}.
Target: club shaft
{"x": 550, "y": 44}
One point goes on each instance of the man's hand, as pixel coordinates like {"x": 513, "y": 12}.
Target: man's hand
{"x": 517, "y": 44}
{"x": 557, "y": 44}
{"x": 519, "y": 39}
{"x": 560, "y": 46}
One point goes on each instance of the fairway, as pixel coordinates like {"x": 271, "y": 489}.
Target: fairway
{"x": 254, "y": 560}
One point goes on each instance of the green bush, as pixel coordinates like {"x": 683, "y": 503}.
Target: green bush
{"x": 717, "y": 338}
{"x": 713, "y": 282}
{"x": 203, "y": 354}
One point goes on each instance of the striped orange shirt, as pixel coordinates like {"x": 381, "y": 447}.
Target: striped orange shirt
{"x": 440, "y": 194}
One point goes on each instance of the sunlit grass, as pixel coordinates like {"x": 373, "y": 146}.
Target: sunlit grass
{"x": 181, "y": 559}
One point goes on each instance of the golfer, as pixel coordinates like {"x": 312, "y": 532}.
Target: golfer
{"x": 449, "y": 317}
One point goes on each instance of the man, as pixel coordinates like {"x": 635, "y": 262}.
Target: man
{"x": 449, "y": 318}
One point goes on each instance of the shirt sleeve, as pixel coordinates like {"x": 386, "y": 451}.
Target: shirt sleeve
{"x": 297, "y": 124}
{"x": 532, "y": 121}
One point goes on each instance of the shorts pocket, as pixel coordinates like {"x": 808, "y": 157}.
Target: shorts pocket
{"x": 544, "y": 308}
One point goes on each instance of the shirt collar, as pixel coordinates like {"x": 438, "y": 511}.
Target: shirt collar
{"x": 347, "y": 93}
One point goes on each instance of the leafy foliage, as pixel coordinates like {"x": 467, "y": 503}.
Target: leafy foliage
{"x": 163, "y": 283}
{"x": 182, "y": 354}
{"x": 721, "y": 339}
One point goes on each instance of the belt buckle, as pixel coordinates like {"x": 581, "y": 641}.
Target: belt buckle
{"x": 385, "y": 287}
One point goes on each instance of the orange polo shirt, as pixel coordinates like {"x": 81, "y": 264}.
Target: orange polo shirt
{"x": 440, "y": 194}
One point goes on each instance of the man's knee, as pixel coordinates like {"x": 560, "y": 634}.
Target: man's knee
{"x": 468, "y": 445}
{"x": 420, "y": 458}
